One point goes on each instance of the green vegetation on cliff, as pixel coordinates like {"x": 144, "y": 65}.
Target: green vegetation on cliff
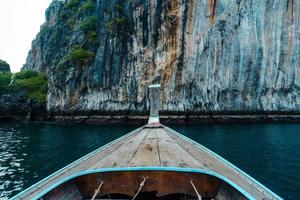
{"x": 80, "y": 56}
{"x": 4, "y": 66}
{"x": 78, "y": 45}
{"x": 5, "y": 79}
{"x": 89, "y": 24}
{"x": 119, "y": 23}
{"x": 73, "y": 4}
{"x": 88, "y": 6}
{"x": 27, "y": 83}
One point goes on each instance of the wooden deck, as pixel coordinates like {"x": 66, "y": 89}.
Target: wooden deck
{"x": 154, "y": 146}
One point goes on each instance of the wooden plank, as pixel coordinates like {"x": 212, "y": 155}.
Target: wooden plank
{"x": 122, "y": 156}
{"x": 172, "y": 154}
{"x": 147, "y": 154}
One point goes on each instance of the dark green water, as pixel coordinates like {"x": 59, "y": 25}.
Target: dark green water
{"x": 268, "y": 152}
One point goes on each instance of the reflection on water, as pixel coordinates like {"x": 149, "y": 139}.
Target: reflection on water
{"x": 268, "y": 152}
{"x": 11, "y": 159}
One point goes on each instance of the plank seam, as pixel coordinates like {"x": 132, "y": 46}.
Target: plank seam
{"x": 160, "y": 163}
{"x": 195, "y": 159}
{"x": 128, "y": 139}
{"x": 170, "y": 134}
{"x": 129, "y": 161}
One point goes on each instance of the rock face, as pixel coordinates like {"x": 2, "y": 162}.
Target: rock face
{"x": 18, "y": 108}
{"x": 209, "y": 55}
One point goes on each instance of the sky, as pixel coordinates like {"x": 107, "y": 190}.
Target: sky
{"x": 20, "y": 21}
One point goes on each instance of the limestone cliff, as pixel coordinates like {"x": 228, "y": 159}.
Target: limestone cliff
{"x": 209, "y": 55}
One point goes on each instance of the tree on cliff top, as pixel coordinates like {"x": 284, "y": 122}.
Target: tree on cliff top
{"x": 4, "y": 66}
{"x": 29, "y": 84}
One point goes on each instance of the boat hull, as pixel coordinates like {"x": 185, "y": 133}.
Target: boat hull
{"x": 166, "y": 150}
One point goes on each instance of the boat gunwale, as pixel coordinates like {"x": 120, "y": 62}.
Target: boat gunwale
{"x": 149, "y": 168}
{"x": 76, "y": 162}
{"x": 229, "y": 164}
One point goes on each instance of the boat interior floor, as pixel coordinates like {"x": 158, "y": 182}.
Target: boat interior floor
{"x": 151, "y": 196}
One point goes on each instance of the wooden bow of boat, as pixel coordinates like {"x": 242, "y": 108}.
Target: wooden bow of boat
{"x": 152, "y": 162}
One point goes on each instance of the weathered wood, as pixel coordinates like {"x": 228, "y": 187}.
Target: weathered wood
{"x": 147, "y": 154}
{"x": 122, "y": 156}
{"x": 172, "y": 154}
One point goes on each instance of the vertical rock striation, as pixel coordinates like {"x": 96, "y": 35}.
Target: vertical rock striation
{"x": 209, "y": 55}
